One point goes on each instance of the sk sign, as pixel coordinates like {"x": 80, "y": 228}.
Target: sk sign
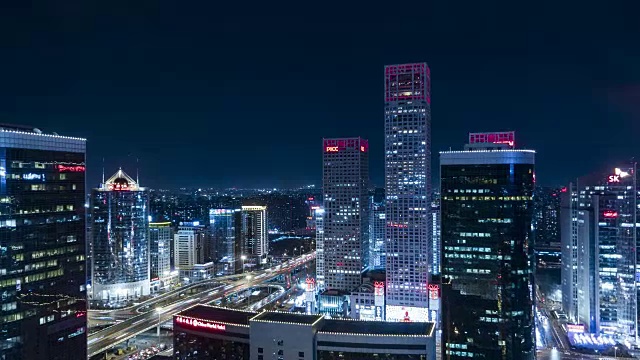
{"x": 617, "y": 175}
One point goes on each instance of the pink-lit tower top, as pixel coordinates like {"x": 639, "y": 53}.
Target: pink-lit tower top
{"x": 408, "y": 82}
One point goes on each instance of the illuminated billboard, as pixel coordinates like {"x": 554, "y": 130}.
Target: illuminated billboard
{"x": 200, "y": 324}
{"x": 505, "y": 137}
{"x": 395, "y": 313}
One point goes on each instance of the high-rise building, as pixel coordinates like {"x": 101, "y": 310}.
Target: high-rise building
{"x": 319, "y": 224}
{"x": 435, "y": 234}
{"x": 42, "y": 245}
{"x": 345, "y": 183}
{"x": 255, "y": 233}
{"x": 225, "y": 226}
{"x": 599, "y": 217}
{"x": 377, "y": 230}
{"x": 189, "y": 242}
{"x": 546, "y": 217}
{"x": 407, "y": 114}
{"x": 120, "y": 228}
{"x": 487, "y": 252}
{"x": 160, "y": 243}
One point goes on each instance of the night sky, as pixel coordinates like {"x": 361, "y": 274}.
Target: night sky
{"x": 241, "y": 95}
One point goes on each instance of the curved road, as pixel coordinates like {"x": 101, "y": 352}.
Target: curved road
{"x": 109, "y": 337}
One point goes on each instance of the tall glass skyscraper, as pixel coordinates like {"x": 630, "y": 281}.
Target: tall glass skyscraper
{"x": 225, "y": 226}
{"x": 42, "y": 245}
{"x": 120, "y": 227}
{"x": 487, "y": 253}
{"x": 255, "y": 234}
{"x": 599, "y": 227}
{"x": 160, "y": 252}
{"x": 407, "y": 115}
{"x": 345, "y": 181}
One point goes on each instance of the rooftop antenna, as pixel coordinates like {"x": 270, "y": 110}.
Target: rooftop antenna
{"x": 103, "y": 171}
{"x": 137, "y": 171}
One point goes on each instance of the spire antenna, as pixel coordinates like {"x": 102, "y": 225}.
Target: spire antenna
{"x": 103, "y": 171}
{"x": 137, "y": 171}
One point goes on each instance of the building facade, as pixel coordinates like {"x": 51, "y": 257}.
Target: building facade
{"x": 377, "y": 232}
{"x": 255, "y": 234}
{"x": 487, "y": 253}
{"x": 599, "y": 227}
{"x": 225, "y": 226}
{"x": 120, "y": 228}
{"x": 207, "y": 332}
{"x": 320, "y": 271}
{"x": 345, "y": 183}
{"x": 160, "y": 252}
{"x": 189, "y": 242}
{"x": 435, "y": 234}
{"x": 407, "y": 188}
{"x": 42, "y": 245}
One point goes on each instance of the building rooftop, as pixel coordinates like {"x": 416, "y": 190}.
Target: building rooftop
{"x": 377, "y": 327}
{"x": 219, "y": 314}
{"x": 283, "y": 317}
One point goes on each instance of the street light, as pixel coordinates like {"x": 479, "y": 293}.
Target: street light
{"x": 615, "y": 352}
{"x": 243, "y": 257}
{"x": 159, "y": 311}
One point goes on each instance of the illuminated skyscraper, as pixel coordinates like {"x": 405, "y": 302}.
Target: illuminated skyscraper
{"x": 160, "y": 242}
{"x": 189, "y": 244}
{"x": 377, "y": 231}
{"x": 120, "y": 228}
{"x": 345, "y": 183}
{"x": 487, "y": 252}
{"x": 255, "y": 233}
{"x": 599, "y": 231}
{"x": 225, "y": 225}
{"x": 408, "y": 189}
{"x": 42, "y": 245}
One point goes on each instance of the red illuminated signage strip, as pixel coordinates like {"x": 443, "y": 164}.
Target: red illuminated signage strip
{"x": 201, "y": 324}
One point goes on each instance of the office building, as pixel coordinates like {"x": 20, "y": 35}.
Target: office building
{"x": 487, "y": 252}
{"x": 160, "y": 253}
{"x": 255, "y": 234}
{"x": 377, "y": 230}
{"x": 435, "y": 234}
{"x": 599, "y": 230}
{"x": 42, "y": 245}
{"x": 345, "y": 192}
{"x": 226, "y": 226}
{"x": 547, "y": 218}
{"x": 319, "y": 225}
{"x": 120, "y": 226}
{"x": 208, "y": 332}
{"x": 407, "y": 113}
{"x": 189, "y": 242}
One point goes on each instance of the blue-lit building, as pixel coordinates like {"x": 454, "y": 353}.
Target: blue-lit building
{"x": 377, "y": 228}
{"x": 599, "y": 230}
{"x": 487, "y": 252}
{"x": 42, "y": 245}
{"x": 225, "y": 226}
{"x": 120, "y": 228}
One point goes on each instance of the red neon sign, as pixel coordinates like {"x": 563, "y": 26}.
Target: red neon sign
{"x": 77, "y": 168}
{"x": 434, "y": 291}
{"x": 506, "y": 137}
{"x": 310, "y": 283}
{"x": 610, "y": 214}
{"x": 378, "y": 288}
{"x": 201, "y": 324}
{"x": 331, "y": 149}
{"x": 118, "y": 186}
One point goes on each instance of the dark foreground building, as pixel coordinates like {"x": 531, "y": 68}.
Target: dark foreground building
{"x": 42, "y": 246}
{"x": 487, "y": 253}
{"x": 213, "y": 333}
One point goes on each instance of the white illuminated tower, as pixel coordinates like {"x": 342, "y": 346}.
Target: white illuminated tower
{"x": 345, "y": 194}
{"x": 408, "y": 189}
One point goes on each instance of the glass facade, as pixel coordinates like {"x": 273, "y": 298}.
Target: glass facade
{"x": 407, "y": 183}
{"x": 487, "y": 254}
{"x": 119, "y": 215}
{"x": 160, "y": 243}
{"x": 42, "y": 246}
{"x": 254, "y": 231}
{"x": 345, "y": 181}
{"x": 377, "y": 228}
{"x": 225, "y": 233}
{"x": 599, "y": 217}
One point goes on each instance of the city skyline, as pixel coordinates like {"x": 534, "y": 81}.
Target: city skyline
{"x": 548, "y": 78}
